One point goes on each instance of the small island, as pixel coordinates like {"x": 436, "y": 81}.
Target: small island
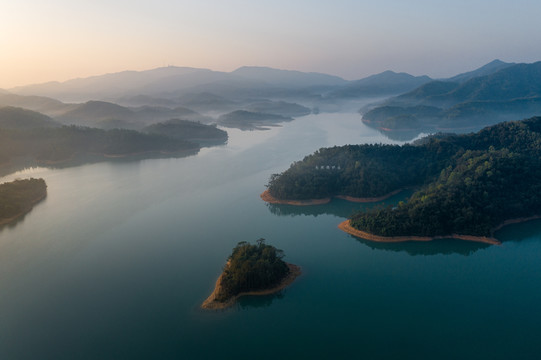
{"x": 251, "y": 270}
{"x": 19, "y": 197}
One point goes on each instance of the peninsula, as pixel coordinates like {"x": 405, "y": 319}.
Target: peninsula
{"x": 251, "y": 270}
{"x": 19, "y": 197}
{"x": 468, "y": 185}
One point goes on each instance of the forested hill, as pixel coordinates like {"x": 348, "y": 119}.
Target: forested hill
{"x": 68, "y": 143}
{"x": 469, "y": 183}
{"x": 252, "y": 267}
{"x": 355, "y": 170}
{"x": 362, "y": 170}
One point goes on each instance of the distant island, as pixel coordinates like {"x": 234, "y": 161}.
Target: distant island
{"x": 185, "y": 130}
{"x": 19, "y": 197}
{"x": 251, "y": 270}
{"x": 468, "y": 185}
{"x": 282, "y": 108}
{"x": 250, "y": 120}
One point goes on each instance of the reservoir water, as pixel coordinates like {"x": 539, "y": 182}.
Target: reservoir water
{"x": 116, "y": 261}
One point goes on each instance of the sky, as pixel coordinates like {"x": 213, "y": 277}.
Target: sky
{"x": 57, "y": 40}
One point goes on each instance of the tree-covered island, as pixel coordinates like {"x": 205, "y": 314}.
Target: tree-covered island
{"x": 468, "y": 185}
{"x": 251, "y": 270}
{"x": 19, "y": 197}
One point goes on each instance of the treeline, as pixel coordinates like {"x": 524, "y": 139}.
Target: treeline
{"x": 63, "y": 143}
{"x": 17, "y": 197}
{"x": 360, "y": 170}
{"x": 481, "y": 191}
{"x": 469, "y": 183}
{"x": 252, "y": 267}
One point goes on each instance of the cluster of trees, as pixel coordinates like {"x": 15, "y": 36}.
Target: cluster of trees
{"x": 365, "y": 171}
{"x": 62, "y": 143}
{"x": 19, "y": 196}
{"x": 252, "y": 267}
{"x": 469, "y": 183}
{"x": 480, "y": 191}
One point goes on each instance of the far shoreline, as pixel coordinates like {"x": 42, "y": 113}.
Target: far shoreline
{"x": 346, "y": 227}
{"x": 267, "y": 197}
{"x": 211, "y": 304}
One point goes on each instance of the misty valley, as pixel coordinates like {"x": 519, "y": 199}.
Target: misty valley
{"x": 122, "y": 196}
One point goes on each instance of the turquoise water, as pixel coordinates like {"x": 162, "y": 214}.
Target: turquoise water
{"x": 116, "y": 261}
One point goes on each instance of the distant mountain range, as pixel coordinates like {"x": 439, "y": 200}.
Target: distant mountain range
{"x": 493, "y": 93}
{"x": 171, "y": 82}
{"x": 134, "y": 99}
{"x": 169, "y": 86}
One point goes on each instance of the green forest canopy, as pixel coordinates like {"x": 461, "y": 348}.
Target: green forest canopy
{"x": 252, "y": 267}
{"x": 469, "y": 183}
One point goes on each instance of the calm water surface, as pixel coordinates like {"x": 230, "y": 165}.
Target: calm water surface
{"x": 116, "y": 261}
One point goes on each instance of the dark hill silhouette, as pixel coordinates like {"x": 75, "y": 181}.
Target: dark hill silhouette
{"x": 514, "y": 91}
{"x": 42, "y": 104}
{"x": 385, "y": 83}
{"x": 188, "y": 130}
{"x": 92, "y": 113}
{"x": 17, "y": 118}
{"x": 487, "y": 69}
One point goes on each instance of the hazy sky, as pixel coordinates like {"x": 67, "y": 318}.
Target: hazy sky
{"x": 44, "y": 40}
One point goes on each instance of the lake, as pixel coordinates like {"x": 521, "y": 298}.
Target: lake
{"x": 116, "y": 261}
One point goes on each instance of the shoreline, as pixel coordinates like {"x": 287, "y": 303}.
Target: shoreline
{"x": 23, "y": 212}
{"x": 346, "y": 227}
{"x": 369, "y": 199}
{"x": 516, "y": 221}
{"x": 211, "y": 304}
{"x": 267, "y": 197}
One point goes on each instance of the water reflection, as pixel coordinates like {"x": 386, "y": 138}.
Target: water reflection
{"x": 530, "y": 230}
{"x": 520, "y": 232}
{"x": 336, "y": 207}
{"x": 259, "y": 301}
{"x": 403, "y": 135}
{"x": 429, "y": 248}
